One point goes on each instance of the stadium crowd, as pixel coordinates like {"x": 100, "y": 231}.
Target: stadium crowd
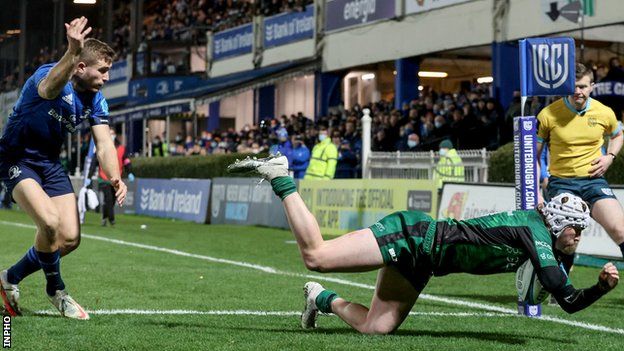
{"x": 471, "y": 120}
{"x": 175, "y": 20}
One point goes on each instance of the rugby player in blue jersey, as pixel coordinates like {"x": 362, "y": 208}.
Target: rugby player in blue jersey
{"x": 54, "y": 101}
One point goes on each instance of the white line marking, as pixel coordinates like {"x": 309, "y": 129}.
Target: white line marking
{"x": 256, "y": 313}
{"x": 272, "y": 270}
{"x": 290, "y": 242}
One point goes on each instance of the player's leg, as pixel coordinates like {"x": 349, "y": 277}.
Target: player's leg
{"x": 68, "y": 239}
{"x": 392, "y": 301}
{"x": 353, "y": 252}
{"x": 609, "y": 214}
{"x": 37, "y": 204}
{"x": 68, "y": 234}
{"x": 31, "y": 198}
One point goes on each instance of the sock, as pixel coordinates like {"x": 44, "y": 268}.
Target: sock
{"x": 51, "y": 265}
{"x": 24, "y": 267}
{"x": 324, "y": 300}
{"x": 622, "y": 248}
{"x": 283, "y": 186}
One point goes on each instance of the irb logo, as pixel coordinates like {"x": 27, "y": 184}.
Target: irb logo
{"x": 550, "y": 64}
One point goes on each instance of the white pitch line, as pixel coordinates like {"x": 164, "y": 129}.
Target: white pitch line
{"x": 272, "y": 270}
{"x": 255, "y": 313}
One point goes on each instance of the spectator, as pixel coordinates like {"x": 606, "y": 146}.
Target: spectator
{"x": 300, "y": 157}
{"x": 412, "y": 144}
{"x": 450, "y": 167}
{"x": 347, "y": 161}
{"x": 324, "y": 158}
{"x": 282, "y": 145}
{"x": 157, "y": 147}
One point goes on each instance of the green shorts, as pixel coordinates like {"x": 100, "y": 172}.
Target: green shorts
{"x": 405, "y": 240}
{"x": 588, "y": 189}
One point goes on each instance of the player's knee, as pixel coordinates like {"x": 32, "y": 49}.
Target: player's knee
{"x": 70, "y": 244}
{"x": 311, "y": 262}
{"x": 377, "y": 329}
{"x": 314, "y": 261}
{"x": 49, "y": 227}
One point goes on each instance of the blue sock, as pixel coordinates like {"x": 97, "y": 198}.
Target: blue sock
{"x": 51, "y": 265}
{"x": 28, "y": 265}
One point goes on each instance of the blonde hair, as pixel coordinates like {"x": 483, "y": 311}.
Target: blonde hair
{"x": 95, "y": 50}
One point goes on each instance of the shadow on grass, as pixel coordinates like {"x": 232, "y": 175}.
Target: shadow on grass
{"x": 507, "y": 299}
{"x": 502, "y": 338}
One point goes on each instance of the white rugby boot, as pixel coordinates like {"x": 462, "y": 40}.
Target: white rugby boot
{"x": 10, "y": 295}
{"x": 67, "y": 306}
{"x": 308, "y": 317}
{"x": 269, "y": 168}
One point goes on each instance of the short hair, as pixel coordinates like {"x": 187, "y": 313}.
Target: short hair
{"x": 95, "y": 50}
{"x": 582, "y": 71}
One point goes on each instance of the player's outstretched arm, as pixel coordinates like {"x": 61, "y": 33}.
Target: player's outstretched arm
{"x": 573, "y": 300}
{"x": 51, "y": 86}
{"x": 107, "y": 157}
{"x": 608, "y": 277}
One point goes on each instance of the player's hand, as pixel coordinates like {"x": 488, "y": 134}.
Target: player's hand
{"x": 120, "y": 191}
{"x": 76, "y": 34}
{"x": 608, "y": 277}
{"x": 600, "y": 166}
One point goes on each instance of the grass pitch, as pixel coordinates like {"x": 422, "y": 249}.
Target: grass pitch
{"x": 183, "y": 286}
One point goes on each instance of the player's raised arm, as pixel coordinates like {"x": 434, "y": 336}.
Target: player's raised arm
{"x": 107, "y": 157}
{"x": 51, "y": 86}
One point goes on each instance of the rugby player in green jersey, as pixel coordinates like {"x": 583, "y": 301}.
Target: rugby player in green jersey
{"x": 409, "y": 247}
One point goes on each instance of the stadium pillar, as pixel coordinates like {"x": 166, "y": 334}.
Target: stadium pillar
{"x": 326, "y": 92}
{"x": 265, "y": 104}
{"x": 406, "y": 80}
{"x": 214, "y": 111}
{"x": 506, "y": 71}
{"x": 136, "y": 136}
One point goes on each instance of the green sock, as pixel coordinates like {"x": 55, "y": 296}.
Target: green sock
{"x": 324, "y": 300}
{"x": 283, "y": 186}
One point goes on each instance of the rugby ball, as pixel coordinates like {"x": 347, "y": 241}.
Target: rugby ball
{"x": 530, "y": 290}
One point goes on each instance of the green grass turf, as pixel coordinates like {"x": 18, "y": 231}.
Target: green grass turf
{"x": 108, "y": 276}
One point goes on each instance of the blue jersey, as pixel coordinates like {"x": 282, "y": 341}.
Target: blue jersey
{"x": 37, "y": 127}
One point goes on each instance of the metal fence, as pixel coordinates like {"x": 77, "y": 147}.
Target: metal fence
{"x": 421, "y": 165}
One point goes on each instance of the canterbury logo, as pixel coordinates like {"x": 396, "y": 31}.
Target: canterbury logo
{"x": 550, "y": 64}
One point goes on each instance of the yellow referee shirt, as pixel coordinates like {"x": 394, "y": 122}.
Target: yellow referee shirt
{"x": 575, "y": 138}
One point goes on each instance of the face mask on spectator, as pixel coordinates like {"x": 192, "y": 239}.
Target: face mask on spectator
{"x": 438, "y": 124}
{"x": 322, "y": 137}
{"x": 443, "y": 152}
{"x": 412, "y": 143}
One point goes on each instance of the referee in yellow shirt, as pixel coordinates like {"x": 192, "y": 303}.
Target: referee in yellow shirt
{"x": 574, "y": 128}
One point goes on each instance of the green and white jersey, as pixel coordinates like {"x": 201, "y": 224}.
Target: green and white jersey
{"x": 420, "y": 247}
{"x": 496, "y": 243}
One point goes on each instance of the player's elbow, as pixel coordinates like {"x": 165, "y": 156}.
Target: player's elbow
{"x": 46, "y": 92}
